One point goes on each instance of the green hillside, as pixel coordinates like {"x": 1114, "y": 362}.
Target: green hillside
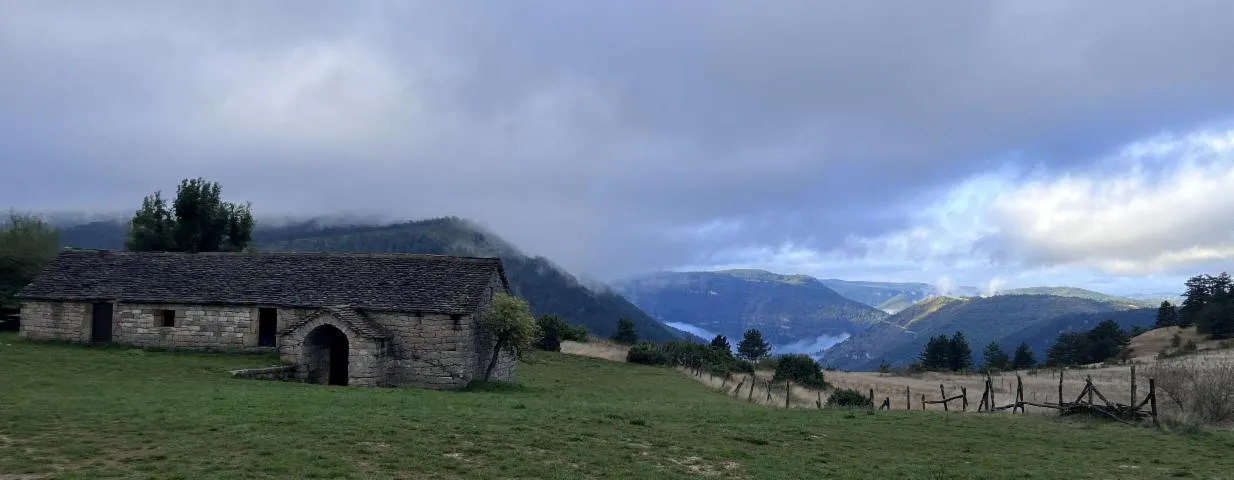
{"x": 1081, "y": 293}
{"x": 547, "y": 288}
{"x": 785, "y": 308}
{"x": 890, "y": 297}
{"x": 179, "y": 415}
{"x": 982, "y": 320}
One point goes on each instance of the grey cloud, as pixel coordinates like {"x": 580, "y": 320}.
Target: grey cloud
{"x": 586, "y": 130}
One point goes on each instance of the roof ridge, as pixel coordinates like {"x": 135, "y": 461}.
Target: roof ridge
{"x": 289, "y": 253}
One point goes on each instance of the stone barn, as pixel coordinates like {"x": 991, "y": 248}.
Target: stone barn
{"x": 340, "y": 318}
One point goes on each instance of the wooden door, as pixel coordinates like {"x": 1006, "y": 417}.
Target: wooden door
{"x": 100, "y": 323}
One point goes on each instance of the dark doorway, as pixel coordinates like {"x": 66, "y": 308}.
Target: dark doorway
{"x": 267, "y": 323}
{"x": 325, "y": 355}
{"x": 100, "y": 322}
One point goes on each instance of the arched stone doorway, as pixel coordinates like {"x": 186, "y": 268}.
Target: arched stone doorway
{"x": 326, "y": 355}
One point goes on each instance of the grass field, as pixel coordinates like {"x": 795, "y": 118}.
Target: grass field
{"x": 78, "y": 412}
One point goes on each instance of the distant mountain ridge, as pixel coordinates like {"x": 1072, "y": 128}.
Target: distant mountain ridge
{"x": 1080, "y": 293}
{"x": 892, "y": 297}
{"x": 547, "y": 288}
{"x": 787, "y": 309}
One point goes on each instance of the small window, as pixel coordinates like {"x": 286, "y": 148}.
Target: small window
{"x": 169, "y": 318}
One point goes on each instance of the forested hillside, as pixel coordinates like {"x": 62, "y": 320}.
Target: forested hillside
{"x": 982, "y": 320}
{"x": 547, "y": 288}
{"x": 785, "y": 308}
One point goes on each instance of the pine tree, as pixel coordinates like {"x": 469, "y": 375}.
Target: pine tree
{"x": 626, "y": 333}
{"x": 720, "y": 344}
{"x": 995, "y": 357}
{"x": 1023, "y": 357}
{"x": 1197, "y": 295}
{"x": 752, "y": 346}
{"x": 1105, "y": 341}
{"x": 1167, "y": 315}
{"x": 936, "y": 354}
{"x": 960, "y": 356}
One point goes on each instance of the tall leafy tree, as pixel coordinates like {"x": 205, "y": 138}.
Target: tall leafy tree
{"x": 1023, "y": 357}
{"x": 959, "y": 355}
{"x": 626, "y": 333}
{"x": 995, "y": 357}
{"x": 1167, "y": 315}
{"x": 752, "y": 346}
{"x": 27, "y": 244}
{"x": 198, "y": 220}
{"x": 508, "y": 319}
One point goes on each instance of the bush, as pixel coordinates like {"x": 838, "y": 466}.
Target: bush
{"x": 767, "y": 363}
{"x": 847, "y": 397}
{"x": 1198, "y": 388}
{"x": 1176, "y": 340}
{"x": 647, "y": 353}
{"x": 800, "y": 368}
{"x": 551, "y": 330}
{"x": 574, "y": 333}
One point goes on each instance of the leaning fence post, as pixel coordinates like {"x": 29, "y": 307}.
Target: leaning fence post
{"x": 1132, "y": 386}
{"x": 1019, "y": 393}
{"x": 1152, "y": 399}
{"x": 943, "y": 392}
{"x": 750, "y": 396}
{"x": 989, "y": 384}
{"x": 964, "y": 392}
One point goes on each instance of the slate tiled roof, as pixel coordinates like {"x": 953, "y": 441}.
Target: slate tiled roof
{"x": 352, "y": 317}
{"x": 382, "y": 282}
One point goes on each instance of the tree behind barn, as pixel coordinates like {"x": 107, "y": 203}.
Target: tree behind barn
{"x": 196, "y": 221}
{"x": 27, "y": 243}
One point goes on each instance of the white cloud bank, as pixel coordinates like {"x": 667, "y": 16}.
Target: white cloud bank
{"x": 1144, "y": 217}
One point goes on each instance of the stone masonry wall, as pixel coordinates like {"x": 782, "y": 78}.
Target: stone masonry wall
{"x": 197, "y": 327}
{"x": 428, "y": 350}
{"x": 69, "y": 321}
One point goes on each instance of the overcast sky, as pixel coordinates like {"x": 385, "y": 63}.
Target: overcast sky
{"x": 991, "y": 143}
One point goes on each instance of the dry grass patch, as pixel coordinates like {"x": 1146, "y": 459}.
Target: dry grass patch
{"x": 596, "y": 348}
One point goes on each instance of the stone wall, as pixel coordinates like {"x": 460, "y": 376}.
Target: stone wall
{"x": 440, "y": 351}
{"x": 68, "y": 321}
{"x": 196, "y": 327}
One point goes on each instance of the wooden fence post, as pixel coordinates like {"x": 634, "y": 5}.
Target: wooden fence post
{"x": 1152, "y": 402}
{"x": 1060, "y": 390}
{"x": 769, "y": 387}
{"x": 820, "y": 400}
{"x": 788, "y": 392}
{"x": 943, "y": 392}
{"x": 871, "y": 399}
{"x": 908, "y": 400}
{"x": 964, "y": 392}
{"x": 923, "y": 401}
{"x": 1132, "y": 386}
{"x": 1019, "y": 393}
{"x": 750, "y": 396}
{"x": 989, "y": 384}
{"x": 1088, "y": 383}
